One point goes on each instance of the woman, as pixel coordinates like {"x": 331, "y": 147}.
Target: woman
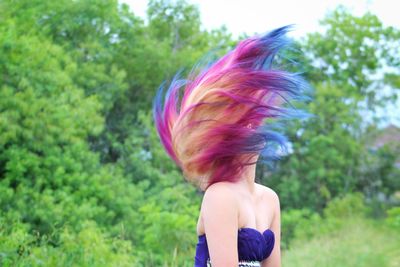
{"x": 215, "y": 135}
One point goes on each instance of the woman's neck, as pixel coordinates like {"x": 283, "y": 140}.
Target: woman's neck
{"x": 248, "y": 178}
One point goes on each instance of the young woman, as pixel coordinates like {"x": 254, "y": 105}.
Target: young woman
{"x": 216, "y": 132}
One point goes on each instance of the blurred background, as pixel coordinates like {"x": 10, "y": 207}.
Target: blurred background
{"x": 84, "y": 180}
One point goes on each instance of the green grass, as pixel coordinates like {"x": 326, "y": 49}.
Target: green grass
{"x": 359, "y": 243}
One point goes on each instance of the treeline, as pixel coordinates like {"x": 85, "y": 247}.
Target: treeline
{"x": 84, "y": 180}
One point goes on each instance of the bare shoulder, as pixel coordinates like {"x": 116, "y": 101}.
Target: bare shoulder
{"x": 268, "y": 194}
{"x": 218, "y": 199}
{"x": 221, "y": 192}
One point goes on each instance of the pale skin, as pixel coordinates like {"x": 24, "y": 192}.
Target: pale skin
{"x": 227, "y": 207}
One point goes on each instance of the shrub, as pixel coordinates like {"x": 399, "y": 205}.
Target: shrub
{"x": 393, "y": 217}
{"x": 88, "y": 247}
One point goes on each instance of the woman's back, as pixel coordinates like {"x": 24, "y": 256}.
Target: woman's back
{"x": 238, "y": 220}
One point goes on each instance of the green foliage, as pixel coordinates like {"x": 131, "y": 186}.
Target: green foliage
{"x": 393, "y": 217}
{"x": 305, "y": 224}
{"x": 290, "y": 221}
{"x": 330, "y": 155}
{"x": 74, "y": 84}
{"x": 88, "y": 247}
{"x": 347, "y": 206}
{"x": 351, "y": 52}
{"x": 85, "y": 30}
{"x": 380, "y": 163}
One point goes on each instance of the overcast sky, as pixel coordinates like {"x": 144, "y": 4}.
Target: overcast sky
{"x": 258, "y": 16}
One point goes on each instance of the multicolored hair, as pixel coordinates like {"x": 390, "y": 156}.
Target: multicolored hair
{"x": 220, "y": 122}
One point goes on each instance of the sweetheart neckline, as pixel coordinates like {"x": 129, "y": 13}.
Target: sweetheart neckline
{"x": 254, "y": 229}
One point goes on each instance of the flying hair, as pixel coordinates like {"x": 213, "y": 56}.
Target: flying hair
{"x": 223, "y": 118}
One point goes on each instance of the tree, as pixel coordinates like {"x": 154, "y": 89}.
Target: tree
{"x": 346, "y": 65}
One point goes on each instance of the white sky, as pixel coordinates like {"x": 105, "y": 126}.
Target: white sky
{"x": 258, "y": 16}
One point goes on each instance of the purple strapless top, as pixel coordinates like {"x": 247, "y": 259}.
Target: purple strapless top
{"x": 252, "y": 246}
